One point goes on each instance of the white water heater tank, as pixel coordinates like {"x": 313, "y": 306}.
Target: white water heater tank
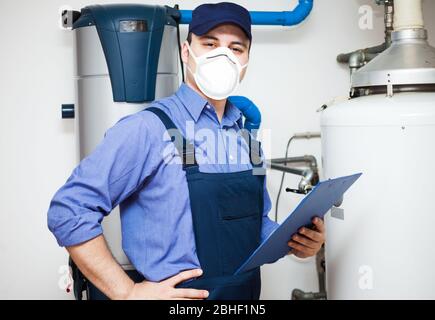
{"x": 381, "y": 246}
{"x": 380, "y": 240}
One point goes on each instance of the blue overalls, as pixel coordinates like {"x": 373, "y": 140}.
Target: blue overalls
{"x": 227, "y": 211}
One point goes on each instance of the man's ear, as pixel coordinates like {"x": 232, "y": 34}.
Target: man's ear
{"x": 184, "y": 52}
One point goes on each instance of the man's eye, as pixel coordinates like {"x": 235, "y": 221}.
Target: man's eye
{"x": 237, "y": 50}
{"x": 209, "y": 44}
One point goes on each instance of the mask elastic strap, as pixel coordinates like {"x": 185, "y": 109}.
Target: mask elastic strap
{"x": 190, "y": 70}
{"x": 195, "y": 58}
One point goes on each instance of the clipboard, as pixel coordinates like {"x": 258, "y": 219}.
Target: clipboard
{"x": 316, "y": 204}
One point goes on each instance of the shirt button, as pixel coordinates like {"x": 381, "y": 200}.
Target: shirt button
{"x": 231, "y": 158}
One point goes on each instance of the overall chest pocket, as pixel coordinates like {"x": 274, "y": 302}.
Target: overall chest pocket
{"x": 240, "y": 210}
{"x": 240, "y": 200}
{"x": 240, "y": 225}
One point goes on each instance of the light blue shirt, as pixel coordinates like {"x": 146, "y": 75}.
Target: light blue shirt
{"x": 137, "y": 167}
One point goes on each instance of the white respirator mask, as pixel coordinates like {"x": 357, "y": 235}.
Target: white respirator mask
{"x": 217, "y": 72}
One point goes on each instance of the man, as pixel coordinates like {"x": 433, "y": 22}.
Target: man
{"x": 188, "y": 222}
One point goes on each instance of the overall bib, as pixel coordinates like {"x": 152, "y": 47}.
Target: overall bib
{"x": 227, "y": 212}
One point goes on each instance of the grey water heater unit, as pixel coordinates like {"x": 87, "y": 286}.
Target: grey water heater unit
{"x": 126, "y": 56}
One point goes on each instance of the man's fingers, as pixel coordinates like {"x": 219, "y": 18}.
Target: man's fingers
{"x": 190, "y": 293}
{"x": 320, "y": 224}
{"x": 305, "y": 241}
{"x": 313, "y": 235}
{"x": 183, "y": 276}
{"x": 301, "y": 248}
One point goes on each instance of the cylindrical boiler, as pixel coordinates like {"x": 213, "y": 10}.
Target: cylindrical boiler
{"x": 380, "y": 241}
{"x": 126, "y": 56}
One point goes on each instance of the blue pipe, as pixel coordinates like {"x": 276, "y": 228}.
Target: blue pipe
{"x": 250, "y": 111}
{"x": 285, "y": 18}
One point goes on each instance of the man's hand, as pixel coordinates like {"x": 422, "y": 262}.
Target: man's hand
{"x": 308, "y": 242}
{"x": 166, "y": 290}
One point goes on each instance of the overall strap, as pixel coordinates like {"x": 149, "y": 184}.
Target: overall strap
{"x": 185, "y": 148}
{"x": 254, "y": 147}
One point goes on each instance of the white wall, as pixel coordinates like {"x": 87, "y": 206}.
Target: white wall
{"x": 292, "y": 73}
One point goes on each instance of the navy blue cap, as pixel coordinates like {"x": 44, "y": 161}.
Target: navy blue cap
{"x": 210, "y": 15}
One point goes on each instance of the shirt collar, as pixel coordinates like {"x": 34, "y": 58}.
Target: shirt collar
{"x": 232, "y": 114}
{"x": 195, "y": 104}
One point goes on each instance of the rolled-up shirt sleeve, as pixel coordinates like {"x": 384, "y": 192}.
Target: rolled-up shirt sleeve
{"x": 110, "y": 174}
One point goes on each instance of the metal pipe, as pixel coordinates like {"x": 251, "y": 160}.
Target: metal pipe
{"x": 345, "y": 57}
{"x": 311, "y": 160}
{"x": 298, "y": 294}
{"x": 309, "y": 179}
{"x": 310, "y": 176}
{"x": 358, "y": 58}
{"x": 284, "y": 168}
{"x": 307, "y": 135}
{"x": 285, "y": 18}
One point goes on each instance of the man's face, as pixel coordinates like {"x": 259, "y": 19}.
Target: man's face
{"x": 226, "y": 35}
